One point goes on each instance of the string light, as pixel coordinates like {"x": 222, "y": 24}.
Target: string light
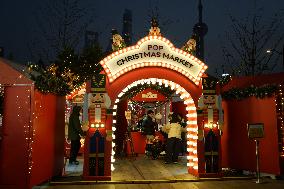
{"x": 279, "y": 103}
{"x": 114, "y": 72}
{"x": 192, "y": 127}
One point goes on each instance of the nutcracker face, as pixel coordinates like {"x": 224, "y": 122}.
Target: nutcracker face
{"x": 96, "y": 98}
{"x": 209, "y": 100}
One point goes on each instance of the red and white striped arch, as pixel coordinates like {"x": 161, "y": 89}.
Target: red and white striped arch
{"x": 192, "y": 128}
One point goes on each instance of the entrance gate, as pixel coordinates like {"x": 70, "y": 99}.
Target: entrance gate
{"x": 154, "y": 60}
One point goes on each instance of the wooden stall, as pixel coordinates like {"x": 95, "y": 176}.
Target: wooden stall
{"x": 32, "y": 144}
{"x": 238, "y": 150}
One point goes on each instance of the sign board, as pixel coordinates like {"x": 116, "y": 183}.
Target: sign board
{"x": 255, "y": 130}
{"x": 153, "y": 51}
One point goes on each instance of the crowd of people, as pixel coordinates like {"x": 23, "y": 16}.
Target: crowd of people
{"x": 173, "y": 132}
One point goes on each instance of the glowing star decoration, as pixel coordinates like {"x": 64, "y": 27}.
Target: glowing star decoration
{"x": 154, "y": 51}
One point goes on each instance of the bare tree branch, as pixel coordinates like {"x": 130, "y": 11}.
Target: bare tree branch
{"x": 61, "y": 23}
{"x": 248, "y": 40}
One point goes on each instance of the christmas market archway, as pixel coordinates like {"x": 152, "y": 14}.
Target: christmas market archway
{"x": 154, "y": 59}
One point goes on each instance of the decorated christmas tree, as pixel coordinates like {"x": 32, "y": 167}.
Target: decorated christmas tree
{"x": 89, "y": 62}
{"x": 68, "y": 72}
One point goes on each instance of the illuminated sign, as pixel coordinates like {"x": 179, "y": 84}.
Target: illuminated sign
{"x": 153, "y": 51}
{"x": 149, "y": 95}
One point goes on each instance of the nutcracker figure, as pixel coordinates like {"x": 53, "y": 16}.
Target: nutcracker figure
{"x": 95, "y": 142}
{"x": 210, "y": 111}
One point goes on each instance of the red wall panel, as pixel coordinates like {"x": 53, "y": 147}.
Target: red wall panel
{"x": 239, "y": 151}
{"x": 14, "y": 146}
{"x": 48, "y": 147}
{"x": 48, "y": 124}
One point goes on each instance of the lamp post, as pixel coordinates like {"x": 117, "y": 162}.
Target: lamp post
{"x": 280, "y": 53}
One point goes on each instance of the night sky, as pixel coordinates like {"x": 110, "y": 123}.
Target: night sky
{"x": 18, "y": 26}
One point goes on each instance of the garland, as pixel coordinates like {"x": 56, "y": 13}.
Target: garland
{"x": 166, "y": 91}
{"x": 225, "y": 80}
{"x": 258, "y": 92}
{"x": 144, "y": 105}
{"x": 47, "y": 82}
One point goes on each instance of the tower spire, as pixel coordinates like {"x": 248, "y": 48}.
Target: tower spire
{"x": 200, "y": 11}
{"x": 127, "y": 27}
{"x": 200, "y": 29}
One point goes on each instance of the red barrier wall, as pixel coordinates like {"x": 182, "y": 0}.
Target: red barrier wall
{"x": 14, "y": 149}
{"x": 238, "y": 151}
{"x": 48, "y": 146}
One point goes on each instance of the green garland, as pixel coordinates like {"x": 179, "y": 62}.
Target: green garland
{"x": 156, "y": 105}
{"x": 224, "y": 80}
{"x": 166, "y": 91}
{"x": 258, "y": 92}
{"x": 46, "y": 82}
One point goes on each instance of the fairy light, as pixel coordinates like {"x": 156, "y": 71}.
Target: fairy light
{"x": 279, "y": 105}
{"x": 167, "y": 50}
{"x": 192, "y": 127}
{"x": 79, "y": 90}
{"x": 23, "y": 103}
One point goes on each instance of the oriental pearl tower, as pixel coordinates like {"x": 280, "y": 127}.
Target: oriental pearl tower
{"x": 200, "y": 30}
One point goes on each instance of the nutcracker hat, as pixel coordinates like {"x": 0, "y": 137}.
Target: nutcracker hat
{"x": 209, "y": 85}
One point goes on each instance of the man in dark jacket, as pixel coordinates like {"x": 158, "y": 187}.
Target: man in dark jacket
{"x": 149, "y": 129}
{"x": 74, "y": 132}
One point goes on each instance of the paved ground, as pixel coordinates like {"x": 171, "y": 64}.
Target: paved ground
{"x": 153, "y": 174}
{"x": 229, "y": 184}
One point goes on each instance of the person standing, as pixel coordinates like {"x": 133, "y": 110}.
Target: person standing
{"x": 74, "y": 134}
{"x": 149, "y": 129}
{"x": 174, "y": 130}
{"x": 183, "y": 143}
